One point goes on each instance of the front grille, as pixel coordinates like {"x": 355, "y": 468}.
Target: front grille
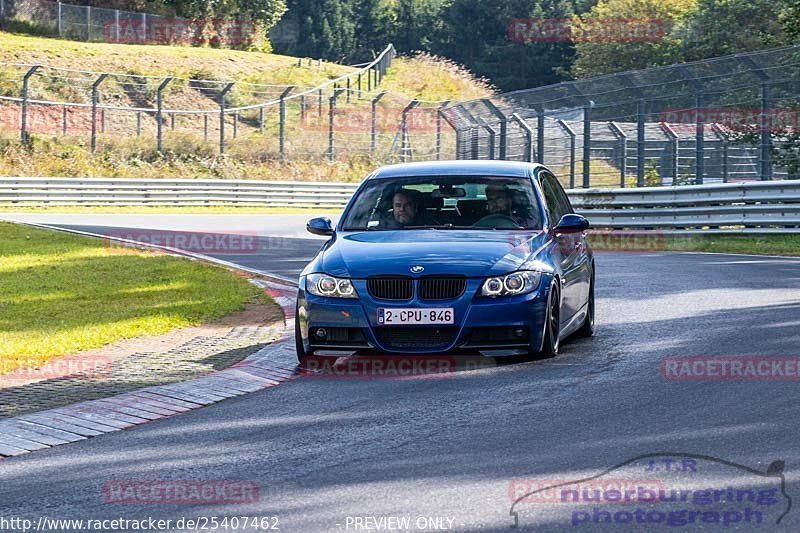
{"x": 441, "y": 288}
{"x": 416, "y": 337}
{"x": 387, "y": 288}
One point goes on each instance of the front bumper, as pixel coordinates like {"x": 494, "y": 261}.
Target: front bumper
{"x": 481, "y": 324}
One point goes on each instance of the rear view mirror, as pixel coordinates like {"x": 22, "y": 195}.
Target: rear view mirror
{"x": 449, "y": 192}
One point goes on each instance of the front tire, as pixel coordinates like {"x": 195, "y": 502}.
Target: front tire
{"x": 552, "y": 328}
{"x": 302, "y": 354}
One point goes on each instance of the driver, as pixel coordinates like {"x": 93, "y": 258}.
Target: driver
{"x": 406, "y": 211}
{"x": 498, "y": 199}
{"x": 502, "y": 214}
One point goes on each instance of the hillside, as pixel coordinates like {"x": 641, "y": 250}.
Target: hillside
{"x": 252, "y": 154}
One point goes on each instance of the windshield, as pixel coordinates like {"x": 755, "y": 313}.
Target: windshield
{"x": 445, "y": 202}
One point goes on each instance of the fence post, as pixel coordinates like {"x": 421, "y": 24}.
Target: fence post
{"x": 623, "y": 150}
{"x": 503, "y": 120}
{"x": 571, "y": 133}
{"x": 284, "y": 94}
{"x": 116, "y": 23}
{"x": 25, "y": 87}
{"x": 222, "y": 95}
{"x": 766, "y": 129}
{"x": 2, "y": 14}
{"x": 205, "y": 127}
{"x": 58, "y": 23}
{"x": 490, "y": 148}
{"x": 319, "y": 103}
{"x": 674, "y": 144}
{"x": 302, "y": 107}
{"x": 235, "y": 124}
{"x": 160, "y": 111}
{"x": 347, "y": 96}
{"x": 102, "y": 121}
{"x": 587, "y": 143}
{"x": 359, "y": 85}
{"x": 528, "y": 155}
{"x": 640, "y": 140}
{"x": 724, "y": 139}
{"x": 138, "y": 123}
{"x": 261, "y": 119}
{"x": 95, "y": 87}
{"x": 700, "y": 137}
{"x": 406, "y": 146}
{"x": 144, "y": 27}
{"x": 64, "y": 120}
{"x": 88, "y": 23}
{"x": 540, "y": 135}
{"x": 372, "y": 130}
{"x": 331, "y": 113}
{"x": 439, "y": 115}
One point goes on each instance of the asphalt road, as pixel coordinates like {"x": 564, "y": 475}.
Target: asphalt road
{"x": 452, "y": 451}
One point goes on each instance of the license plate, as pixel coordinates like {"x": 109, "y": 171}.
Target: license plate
{"x": 416, "y": 316}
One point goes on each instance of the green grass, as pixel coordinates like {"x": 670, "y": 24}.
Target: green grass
{"x": 170, "y": 210}
{"x": 61, "y": 294}
{"x": 743, "y": 244}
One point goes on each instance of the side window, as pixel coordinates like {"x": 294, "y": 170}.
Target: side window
{"x": 557, "y": 205}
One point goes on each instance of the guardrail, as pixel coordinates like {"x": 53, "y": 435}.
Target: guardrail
{"x": 764, "y": 207}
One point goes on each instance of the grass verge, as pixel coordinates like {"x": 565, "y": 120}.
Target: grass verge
{"x": 788, "y": 245}
{"x": 61, "y": 294}
{"x": 168, "y": 210}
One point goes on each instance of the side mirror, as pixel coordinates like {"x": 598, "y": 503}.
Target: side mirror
{"x": 320, "y": 226}
{"x": 572, "y": 223}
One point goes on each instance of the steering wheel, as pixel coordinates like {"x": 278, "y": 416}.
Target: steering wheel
{"x": 498, "y": 221}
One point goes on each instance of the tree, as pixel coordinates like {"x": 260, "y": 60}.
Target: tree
{"x": 598, "y": 53}
{"x": 721, "y": 27}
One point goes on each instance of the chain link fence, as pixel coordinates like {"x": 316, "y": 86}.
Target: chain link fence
{"x": 342, "y": 118}
{"x": 727, "y": 119}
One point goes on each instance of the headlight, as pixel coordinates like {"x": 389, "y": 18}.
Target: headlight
{"x": 325, "y": 285}
{"x": 512, "y": 284}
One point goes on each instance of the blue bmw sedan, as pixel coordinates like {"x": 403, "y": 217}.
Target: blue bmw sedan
{"x": 449, "y": 257}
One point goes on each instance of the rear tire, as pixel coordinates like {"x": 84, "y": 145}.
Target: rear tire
{"x": 587, "y": 329}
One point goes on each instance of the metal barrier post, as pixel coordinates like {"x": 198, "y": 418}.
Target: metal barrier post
{"x": 222, "y": 95}
{"x": 723, "y": 137}
{"x": 331, "y": 113}
{"x": 404, "y": 128}
{"x": 503, "y": 120}
{"x": 640, "y": 140}
{"x": 623, "y": 150}
{"x": 528, "y": 155}
{"x": 766, "y": 129}
{"x": 95, "y": 87}
{"x": 540, "y": 135}
{"x": 160, "y": 111}
{"x": 23, "y": 133}
{"x": 674, "y": 143}
{"x": 587, "y": 143}
{"x": 373, "y": 133}
{"x": 58, "y": 23}
{"x": 571, "y": 133}
{"x": 439, "y": 114}
{"x": 282, "y": 126}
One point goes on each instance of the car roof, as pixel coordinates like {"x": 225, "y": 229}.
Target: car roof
{"x": 499, "y": 169}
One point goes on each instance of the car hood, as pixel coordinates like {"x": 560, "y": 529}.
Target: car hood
{"x": 466, "y": 252}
